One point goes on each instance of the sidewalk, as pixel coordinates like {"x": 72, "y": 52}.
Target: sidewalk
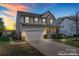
{"x": 51, "y": 48}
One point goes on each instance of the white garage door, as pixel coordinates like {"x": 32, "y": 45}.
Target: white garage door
{"x": 33, "y": 35}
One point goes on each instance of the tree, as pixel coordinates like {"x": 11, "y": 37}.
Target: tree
{"x": 76, "y": 19}
{"x": 2, "y": 27}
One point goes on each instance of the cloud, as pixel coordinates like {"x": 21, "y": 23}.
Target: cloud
{"x": 8, "y": 22}
{"x": 15, "y": 7}
{"x": 11, "y": 10}
{"x": 3, "y": 8}
{"x": 12, "y": 13}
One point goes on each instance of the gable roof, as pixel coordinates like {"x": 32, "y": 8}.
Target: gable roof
{"x": 36, "y": 15}
{"x": 47, "y": 14}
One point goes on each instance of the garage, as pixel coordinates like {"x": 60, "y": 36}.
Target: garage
{"x": 32, "y": 34}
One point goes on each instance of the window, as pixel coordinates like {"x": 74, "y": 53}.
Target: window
{"x": 44, "y": 21}
{"x": 22, "y": 19}
{"x": 51, "y": 21}
{"x": 26, "y": 19}
{"x": 36, "y": 20}
{"x": 40, "y": 20}
{"x": 31, "y": 20}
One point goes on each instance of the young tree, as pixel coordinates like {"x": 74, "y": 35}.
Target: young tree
{"x": 2, "y": 27}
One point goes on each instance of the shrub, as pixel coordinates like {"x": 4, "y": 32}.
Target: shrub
{"x": 76, "y": 35}
{"x": 54, "y": 36}
{"x": 0, "y": 34}
{"x": 45, "y": 36}
{"x": 14, "y": 35}
{"x": 61, "y": 35}
{"x": 3, "y": 39}
{"x": 57, "y": 36}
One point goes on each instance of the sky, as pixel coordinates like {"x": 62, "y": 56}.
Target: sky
{"x": 8, "y": 11}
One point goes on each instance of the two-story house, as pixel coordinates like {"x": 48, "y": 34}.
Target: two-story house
{"x": 46, "y": 19}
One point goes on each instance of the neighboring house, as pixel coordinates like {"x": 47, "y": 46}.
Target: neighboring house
{"x": 26, "y": 19}
{"x": 60, "y": 20}
{"x": 68, "y": 27}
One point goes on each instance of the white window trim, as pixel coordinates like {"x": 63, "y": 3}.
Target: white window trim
{"x": 44, "y": 21}
{"x": 22, "y": 19}
{"x": 26, "y": 19}
{"x": 36, "y": 20}
{"x": 31, "y": 20}
{"x": 40, "y": 21}
{"x": 51, "y": 21}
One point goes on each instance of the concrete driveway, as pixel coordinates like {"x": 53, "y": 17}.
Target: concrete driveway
{"x": 52, "y": 48}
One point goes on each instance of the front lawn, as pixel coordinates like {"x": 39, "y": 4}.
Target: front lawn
{"x": 26, "y": 49}
{"x": 19, "y": 50}
{"x": 69, "y": 41}
{"x": 3, "y": 41}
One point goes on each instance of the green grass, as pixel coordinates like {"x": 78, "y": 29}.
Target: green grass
{"x": 17, "y": 50}
{"x": 3, "y": 41}
{"x": 69, "y": 41}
